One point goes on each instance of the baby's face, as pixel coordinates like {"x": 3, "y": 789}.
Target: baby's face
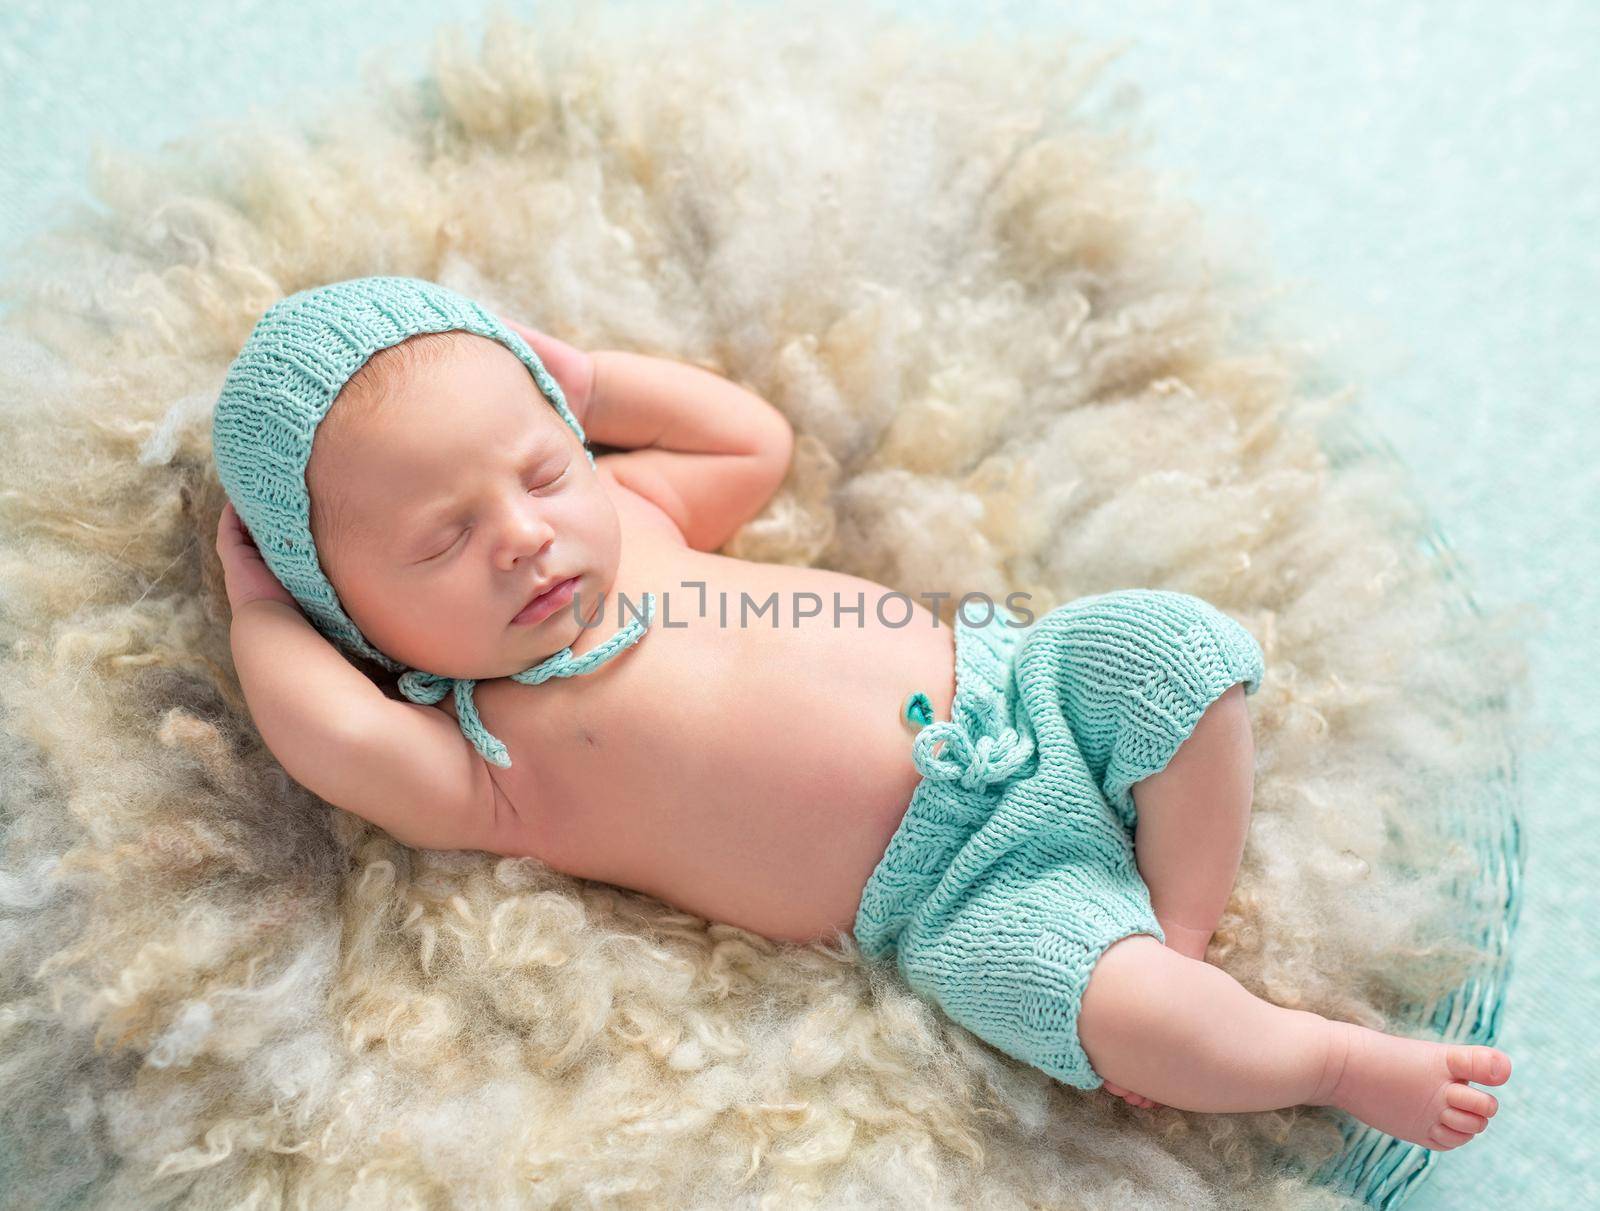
{"x": 449, "y": 505}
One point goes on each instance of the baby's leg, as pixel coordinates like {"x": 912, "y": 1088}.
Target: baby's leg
{"x": 1193, "y": 816}
{"x": 1190, "y": 1036}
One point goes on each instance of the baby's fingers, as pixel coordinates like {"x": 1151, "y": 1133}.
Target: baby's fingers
{"x": 533, "y": 336}
{"x": 561, "y": 359}
{"x": 227, "y": 528}
{"x": 231, "y": 527}
{"x": 244, "y": 569}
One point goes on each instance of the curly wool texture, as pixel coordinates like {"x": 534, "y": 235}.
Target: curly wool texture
{"x": 1009, "y": 368}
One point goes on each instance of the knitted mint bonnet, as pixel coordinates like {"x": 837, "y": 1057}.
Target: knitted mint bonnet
{"x": 299, "y": 356}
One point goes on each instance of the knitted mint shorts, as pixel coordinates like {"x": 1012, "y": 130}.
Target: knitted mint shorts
{"x": 1013, "y": 867}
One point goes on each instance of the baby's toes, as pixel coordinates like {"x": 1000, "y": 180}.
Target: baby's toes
{"x": 1473, "y": 1101}
{"x": 1447, "y": 1137}
{"x": 1481, "y": 1065}
{"x": 1128, "y": 1095}
{"x": 1463, "y": 1120}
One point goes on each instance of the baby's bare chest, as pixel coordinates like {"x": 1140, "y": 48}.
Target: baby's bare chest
{"x": 749, "y": 772}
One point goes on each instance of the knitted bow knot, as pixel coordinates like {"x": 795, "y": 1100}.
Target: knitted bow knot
{"x": 976, "y": 756}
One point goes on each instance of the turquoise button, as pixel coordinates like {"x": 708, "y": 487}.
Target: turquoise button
{"x": 917, "y": 710}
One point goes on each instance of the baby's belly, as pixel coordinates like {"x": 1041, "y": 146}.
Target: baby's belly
{"x": 749, "y": 774}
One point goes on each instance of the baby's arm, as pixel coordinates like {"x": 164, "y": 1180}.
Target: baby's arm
{"x": 405, "y": 767}
{"x": 707, "y": 451}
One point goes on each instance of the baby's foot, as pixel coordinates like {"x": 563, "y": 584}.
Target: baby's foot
{"x": 1412, "y": 1089}
{"x": 1129, "y": 1096}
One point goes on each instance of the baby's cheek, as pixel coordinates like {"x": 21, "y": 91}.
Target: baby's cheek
{"x": 461, "y": 635}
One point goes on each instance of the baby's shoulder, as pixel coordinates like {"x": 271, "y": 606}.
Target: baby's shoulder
{"x": 640, "y": 516}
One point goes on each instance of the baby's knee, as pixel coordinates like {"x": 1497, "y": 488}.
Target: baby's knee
{"x": 1215, "y": 764}
{"x": 1123, "y": 983}
{"x": 1225, "y": 723}
{"x": 1141, "y": 991}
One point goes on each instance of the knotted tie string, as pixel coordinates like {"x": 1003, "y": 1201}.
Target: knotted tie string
{"x": 975, "y": 756}
{"x": 428, "y": 688}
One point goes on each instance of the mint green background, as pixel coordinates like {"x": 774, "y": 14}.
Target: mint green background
{"x": 1423, "y": 175}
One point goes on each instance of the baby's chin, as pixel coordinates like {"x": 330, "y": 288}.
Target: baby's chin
{"x": 525, "y": 647}
{"x": 508, "y": 658}
{"x": 517, "y": 649}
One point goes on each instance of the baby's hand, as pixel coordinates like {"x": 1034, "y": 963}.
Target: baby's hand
{"x": 246, "y": 573}
{"x": 573, "y": 369}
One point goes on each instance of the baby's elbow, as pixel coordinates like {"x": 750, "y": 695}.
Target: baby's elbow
{"x": 787, "y": 431}
{"x": 777, "y": 458}
{"x": 745, "y": 487}
{"x": 767, "y": 469}
{"x": 775, "y": 441}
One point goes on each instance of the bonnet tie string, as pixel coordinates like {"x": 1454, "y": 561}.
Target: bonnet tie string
{"x": 428, "y": 688}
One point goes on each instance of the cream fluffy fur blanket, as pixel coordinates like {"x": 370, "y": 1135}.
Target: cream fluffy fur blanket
{"x": 1011, "y": 365}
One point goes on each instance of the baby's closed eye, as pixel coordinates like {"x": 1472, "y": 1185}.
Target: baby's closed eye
{"x": 545, "y": 482}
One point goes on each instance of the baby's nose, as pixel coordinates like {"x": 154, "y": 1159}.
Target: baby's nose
{"x": 525, "y": 539}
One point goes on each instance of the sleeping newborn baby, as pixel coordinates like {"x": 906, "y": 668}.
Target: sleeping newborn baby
{"x": 1038, "y": 816}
